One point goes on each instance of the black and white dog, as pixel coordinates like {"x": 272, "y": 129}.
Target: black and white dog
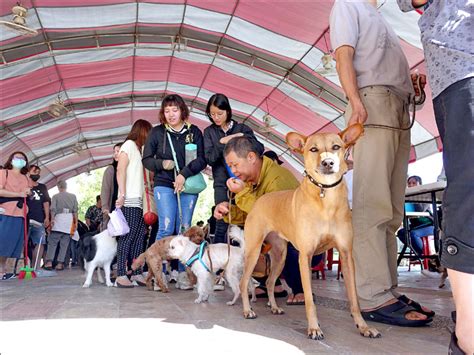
{"x": 97, "y": 251}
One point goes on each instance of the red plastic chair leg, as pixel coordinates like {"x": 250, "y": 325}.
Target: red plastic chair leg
{"x": 426, "y": 251}
{"x": 330, "y": 257}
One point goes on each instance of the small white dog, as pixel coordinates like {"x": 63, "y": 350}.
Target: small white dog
{"x": 98, "y": 251}
{"x": 183, "y": 249}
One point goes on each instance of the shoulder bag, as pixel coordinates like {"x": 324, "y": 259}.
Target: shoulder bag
{"x": 193, "y": 184}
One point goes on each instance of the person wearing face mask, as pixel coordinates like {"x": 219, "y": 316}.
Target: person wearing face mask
{"x": 38, "y": 214}
{"x": 14, "y": 188}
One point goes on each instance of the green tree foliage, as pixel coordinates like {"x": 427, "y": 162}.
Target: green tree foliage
{"x": 202, "y": 212}
{"x": 87, "y": 187}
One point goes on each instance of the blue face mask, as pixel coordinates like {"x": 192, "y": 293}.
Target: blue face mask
{"x": 18, "y": 163}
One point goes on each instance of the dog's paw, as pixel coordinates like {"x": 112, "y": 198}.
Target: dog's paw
{"x": 368, "y": 332}
{"x": 165, "y": 290}
{"x": 250, "y": 314}
{"x": 109, "y": 284}
{"x": 315, "y": 334}
{"x": 86, "y": 285}
{"x": 277, "y": 310}
{"x": 230, "y": 303}
{"x": 253, "y": 299}
{"x": 200, "y": 300}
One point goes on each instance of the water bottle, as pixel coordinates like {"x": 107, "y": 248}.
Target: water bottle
{"x": 190, "y": 152}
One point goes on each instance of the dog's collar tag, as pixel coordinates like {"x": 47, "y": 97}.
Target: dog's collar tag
{"x": 322, "y": 187}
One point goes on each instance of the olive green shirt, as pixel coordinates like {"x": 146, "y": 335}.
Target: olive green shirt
{"x": 273, "y": 177}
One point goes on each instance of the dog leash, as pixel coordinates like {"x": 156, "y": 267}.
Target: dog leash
{"x": 417, "y": 100}
{"x": 230, "y": 195}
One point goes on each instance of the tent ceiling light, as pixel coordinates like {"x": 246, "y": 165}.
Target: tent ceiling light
{"x": 57, "y": 109}
{"x": 18, "y": 22}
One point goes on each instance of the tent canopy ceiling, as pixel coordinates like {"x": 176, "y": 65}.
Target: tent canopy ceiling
{"x": 112, "y": 61}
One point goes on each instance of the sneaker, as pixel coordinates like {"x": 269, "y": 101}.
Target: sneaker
{"x": 173, "y": 277}
{"x": 219, "y": 284}
{"x": 8, "y": 276}
{"x": 183, "y": 282}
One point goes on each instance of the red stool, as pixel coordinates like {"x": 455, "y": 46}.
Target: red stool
{"x": 330, "y": 257}
{"x": 426, "y": 252}
{"x": 318, "y": 268}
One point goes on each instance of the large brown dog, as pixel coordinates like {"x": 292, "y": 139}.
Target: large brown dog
{"x": 314, "y": 218}
{"x": 158, "y": 252}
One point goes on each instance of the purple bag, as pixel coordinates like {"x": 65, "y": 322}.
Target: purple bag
{"x": 117, "y": 223}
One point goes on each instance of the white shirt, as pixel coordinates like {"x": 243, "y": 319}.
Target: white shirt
{"x": 134, "y": 175}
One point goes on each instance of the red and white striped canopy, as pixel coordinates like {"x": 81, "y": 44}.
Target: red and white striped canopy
{"x": 112, "y": 61}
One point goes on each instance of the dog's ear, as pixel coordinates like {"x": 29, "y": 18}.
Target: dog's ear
{"x": 351, "y": 134}
{"x": 296, "y": 141}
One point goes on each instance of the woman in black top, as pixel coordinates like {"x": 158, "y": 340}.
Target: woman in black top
{"x": 168, "y": 179}
{"x": 216, "y": 136}
{"x": 158, "y": 158}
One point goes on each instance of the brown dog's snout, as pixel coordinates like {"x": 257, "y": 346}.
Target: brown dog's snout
{"x": 327, "y": 163}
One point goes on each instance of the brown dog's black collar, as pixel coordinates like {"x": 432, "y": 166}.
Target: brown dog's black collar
{"x": 322, "y": 187}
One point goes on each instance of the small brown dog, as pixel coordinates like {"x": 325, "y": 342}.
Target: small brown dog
{"x": 158, "y": 252}
{"x": 314, "y": 218}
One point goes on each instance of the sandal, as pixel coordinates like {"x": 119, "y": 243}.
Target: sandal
{"x": 394, "y": 314}
{"x": 454, "y": 348}
{"x": 416, "y": 305}
{"x": 127, "y": 284}
{"x": 48, "y": 266}
{"x": 296, "y": 303}
{"x": 279, "y": 294}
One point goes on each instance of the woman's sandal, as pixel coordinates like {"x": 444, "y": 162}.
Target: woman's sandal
{"x": 416, "y": 305}
{"x": 296, "y": 303}
{"x": 394, "y": 314}
{"x": 279, "y": 294}
{"x": 48, "y": 266}
{"x": 454, "y": 348}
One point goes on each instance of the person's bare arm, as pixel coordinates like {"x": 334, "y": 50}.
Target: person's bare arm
{"x": 121, "y": 178}
{"x": 47, "y": 219}
{"x": 348, "y": 78}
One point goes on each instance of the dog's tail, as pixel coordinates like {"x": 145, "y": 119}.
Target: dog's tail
{"x": 139, "y": 262}
{"x": 236, "y": 234}
{"x": 87, "y": 248}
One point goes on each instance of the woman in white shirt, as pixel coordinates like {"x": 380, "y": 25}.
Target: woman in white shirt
{"x": 130, "y": 195}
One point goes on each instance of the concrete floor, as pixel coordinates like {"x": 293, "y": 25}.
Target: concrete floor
{"x": 54, "y": 315}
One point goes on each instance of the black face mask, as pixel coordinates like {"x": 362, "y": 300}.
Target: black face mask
{"x": 35, "y": 177}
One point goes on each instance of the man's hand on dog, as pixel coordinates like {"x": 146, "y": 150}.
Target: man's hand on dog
{"x": 221, "y": 210}
{"x": 235, "y": 185}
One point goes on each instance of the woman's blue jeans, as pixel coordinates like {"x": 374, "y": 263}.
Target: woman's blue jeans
{"x": 168, "y": 212}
